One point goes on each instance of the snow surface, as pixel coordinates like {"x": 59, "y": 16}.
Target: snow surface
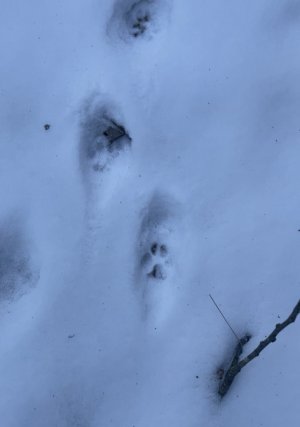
{"x": 209, "y": 92}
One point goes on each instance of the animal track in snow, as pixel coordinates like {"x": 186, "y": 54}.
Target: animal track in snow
{"x": 102, "y": 137}
{"x": 135, "y": 18}
{"x": 155, "y": 261}
{"x": 156, "y": 254}
{"x": 16, "y": 272}
{"x": 155, "y": 257}
{"x": 138, "y": 18}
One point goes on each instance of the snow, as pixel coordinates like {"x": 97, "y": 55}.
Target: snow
{"x": 209, "y": 94}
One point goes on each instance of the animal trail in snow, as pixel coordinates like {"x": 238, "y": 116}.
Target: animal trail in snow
{"x": 102, "y": 137}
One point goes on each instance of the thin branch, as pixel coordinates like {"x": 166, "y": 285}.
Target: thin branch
{"x": 236, "y": 365}
{"x": 272, "y": 337}
{"x": 233, "y": 369}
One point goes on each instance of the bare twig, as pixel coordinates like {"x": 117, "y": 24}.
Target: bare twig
{"x": 233, "y": 369}
{"x": 236, "y": 364}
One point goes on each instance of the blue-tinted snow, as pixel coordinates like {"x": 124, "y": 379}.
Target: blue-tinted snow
{"x": 210, "y": 95}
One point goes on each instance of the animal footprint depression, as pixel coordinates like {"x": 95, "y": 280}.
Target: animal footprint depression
{"x": 155, "y": 260}
{"x": 138, "y": 18}
{"x": 154, "y": 236}
{"x": 17, "y": 274}
{"x": 102, "y": 138}
{"x": 135, "y": 19}
{"x": 157, "y": 255}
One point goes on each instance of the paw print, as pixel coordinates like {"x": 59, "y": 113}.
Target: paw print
{"x": 102, "y": 137}
{"x": 137, "y": 19}
{"x": 140, "y": 25}
{"x": 155, "y": 261}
